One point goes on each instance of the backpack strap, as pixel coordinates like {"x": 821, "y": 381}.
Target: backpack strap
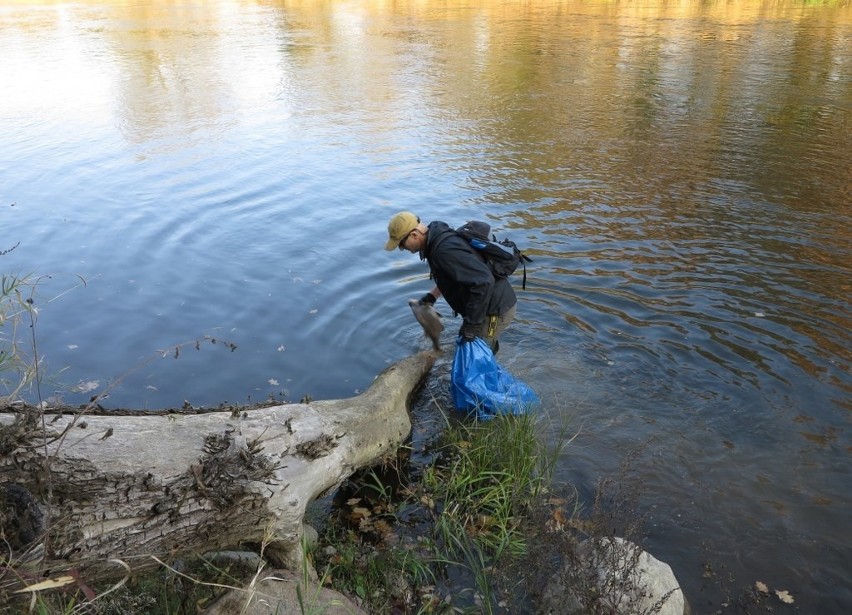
{"x": 524, "y": 260}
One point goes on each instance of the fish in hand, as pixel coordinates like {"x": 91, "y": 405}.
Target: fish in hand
{"x": 429, "y": 319}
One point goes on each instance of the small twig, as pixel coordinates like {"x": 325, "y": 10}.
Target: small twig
{"x": 117, "y": 585}
{"x": 4, "y": 252}
{"x": 186, "y": 576}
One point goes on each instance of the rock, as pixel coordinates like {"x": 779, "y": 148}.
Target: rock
{"x": 310, "y": 535}
{"x": 237, "y": 563}
{"x": 620, "y": 576}
{"x": 277, "y": 592}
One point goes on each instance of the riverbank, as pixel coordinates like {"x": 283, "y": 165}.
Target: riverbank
{"x": 465, "y": 519}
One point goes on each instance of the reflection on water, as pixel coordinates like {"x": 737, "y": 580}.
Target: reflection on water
{"x": 678, "y": 171}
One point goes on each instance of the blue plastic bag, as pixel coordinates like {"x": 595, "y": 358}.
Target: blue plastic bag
{"x": 479, "y": 384}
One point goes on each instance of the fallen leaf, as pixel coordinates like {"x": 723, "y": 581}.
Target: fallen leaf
{"x": 383, "y": 527}
{"x": 559, "y": 517}
{"x": 761, "y": 587}
{"x": 48, "y": 584}
{"x": 784, "y": 596}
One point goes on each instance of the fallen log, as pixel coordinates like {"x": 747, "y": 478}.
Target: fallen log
{"x": 78, "y": 493}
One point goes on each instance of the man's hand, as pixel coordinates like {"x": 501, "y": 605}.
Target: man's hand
{"x": 468, "y": 332}
{"x": 427, "y": 299}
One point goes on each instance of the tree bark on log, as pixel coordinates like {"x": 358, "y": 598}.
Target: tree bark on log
{"x": 79, "y": 491}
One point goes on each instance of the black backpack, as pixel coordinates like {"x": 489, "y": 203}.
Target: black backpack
{"x": 503, "y": 257}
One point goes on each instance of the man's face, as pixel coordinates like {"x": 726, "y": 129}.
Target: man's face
{"x": 413, "y": 242}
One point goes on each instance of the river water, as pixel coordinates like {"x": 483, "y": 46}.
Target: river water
{"x": 679, "y": 172}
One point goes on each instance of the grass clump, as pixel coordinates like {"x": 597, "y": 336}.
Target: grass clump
{"x": 17, "y": 313}
{"x": 489, "y": 476}
{"x": 387, "y": 577}
{"x": 435, "y": 545}
{"x": 191, "y": 587}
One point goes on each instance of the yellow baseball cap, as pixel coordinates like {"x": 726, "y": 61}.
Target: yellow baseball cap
{"x": 399, "y": 226}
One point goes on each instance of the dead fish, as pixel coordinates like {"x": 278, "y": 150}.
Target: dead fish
{"x": 429, "y": 319}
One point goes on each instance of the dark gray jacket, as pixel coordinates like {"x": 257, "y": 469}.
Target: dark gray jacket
{"x": 463, "y": 277}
